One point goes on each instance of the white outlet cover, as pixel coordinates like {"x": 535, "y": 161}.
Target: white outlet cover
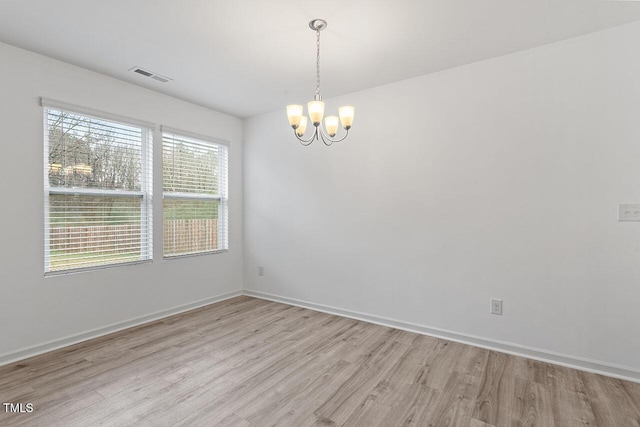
{"x": 629, "y": 212}
{"x": 496, "y": 306}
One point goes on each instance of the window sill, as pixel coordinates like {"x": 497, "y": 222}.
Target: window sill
{"x": 171, "y": 257}
{"x": 94, "y": 268}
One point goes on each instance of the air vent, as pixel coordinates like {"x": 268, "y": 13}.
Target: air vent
{"x": 148, "y": 73}
{"x": 143, "y": 72}
{"x": 159, "y": 78}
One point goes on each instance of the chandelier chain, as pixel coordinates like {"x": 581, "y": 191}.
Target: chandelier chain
{"x": 317, "y": 62}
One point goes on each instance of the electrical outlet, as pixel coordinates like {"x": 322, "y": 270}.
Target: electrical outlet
{"x": 496, "y": 306}
{"x": 629, "y": 212}
{"x": 260, "y": 270}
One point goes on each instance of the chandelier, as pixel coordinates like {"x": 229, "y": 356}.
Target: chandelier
{"x": 298, "y": 120}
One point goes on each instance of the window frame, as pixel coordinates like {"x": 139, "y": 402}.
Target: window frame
{"x": 222, "y": 197}
{"x": 146, "y": 184}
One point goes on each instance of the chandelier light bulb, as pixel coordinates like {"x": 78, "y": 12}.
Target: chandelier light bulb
{"x": 294, "y": 113}
{"x": 316, "y": 111}
{"x": 302, "y": 127}
{"x": 346, "y": 116}
{"x": 331, "y": 125}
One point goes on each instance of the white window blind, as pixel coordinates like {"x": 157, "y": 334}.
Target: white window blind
{"x": 97, "y": 191}
{"x": 194, "y": 194}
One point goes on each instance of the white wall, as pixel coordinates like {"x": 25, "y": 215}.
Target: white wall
{"x": 34, "y": 309}
{"x": 496, "y": 179}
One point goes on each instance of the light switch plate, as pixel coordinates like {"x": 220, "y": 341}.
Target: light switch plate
{"x": 629, "y": 212}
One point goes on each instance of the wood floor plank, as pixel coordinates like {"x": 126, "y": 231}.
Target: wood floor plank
{"x": 371, "y": 369}
{"x": 532, "y": 404}
{"x": 439, "y": 363}
{"x": 301, "y": 408}
{"x": 455, "y": 404}
{"x": 571, "y": 408}
{"x": 411, "y": 405}
{"x": 496, "y": 390}
{"x": 476, "y": 423}
{"x": 63, "y": 403}
{"x": 472, "y": 360}
{"x": 531, "y": 370}
{"x": 249, "y": 362}
{"x": 600, "y": 391}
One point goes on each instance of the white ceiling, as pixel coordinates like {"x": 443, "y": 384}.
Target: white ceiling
{"x": 247, "y": 57}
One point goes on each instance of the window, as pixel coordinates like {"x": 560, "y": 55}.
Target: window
{"x": 194, "y": 173}
{"x": 97, "y": 189}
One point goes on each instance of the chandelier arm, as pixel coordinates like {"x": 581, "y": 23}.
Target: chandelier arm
{"x": 306, "y": 142}
{"x": 328, "y": 138}
{"x": 324, "y": 137}
{"x": 344, "y": 137}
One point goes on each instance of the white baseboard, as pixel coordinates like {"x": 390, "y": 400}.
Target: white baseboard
{"x": 35, "y": 350}
{"x": 576, "y": 362}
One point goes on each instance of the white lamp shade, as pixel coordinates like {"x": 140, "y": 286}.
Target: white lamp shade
{"x": 316, "y": 111}
{"x": 302, "y": 127}
{"x": 331, "y": 125}
{"x": 294, "y": 113}
{"x": 346, "y": 115}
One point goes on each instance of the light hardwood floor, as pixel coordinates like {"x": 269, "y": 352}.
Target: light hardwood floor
{"x": 250, "y": 362}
